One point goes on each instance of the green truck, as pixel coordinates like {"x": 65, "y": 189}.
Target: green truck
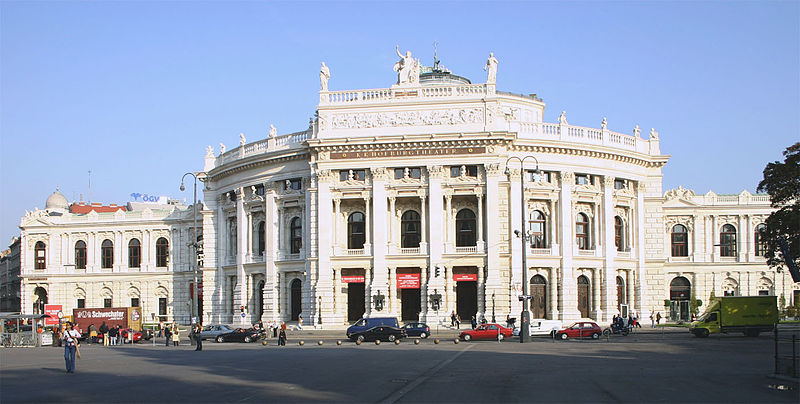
{"x": 746, "y": 314}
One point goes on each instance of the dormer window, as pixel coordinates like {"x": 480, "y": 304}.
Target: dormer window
{"x": 407, "y": 172}
{"x": 294, "y": 184}
{"x": 464, "y": 171}
{"x": 584, "y": 179}
{"x": 352, "y": 175}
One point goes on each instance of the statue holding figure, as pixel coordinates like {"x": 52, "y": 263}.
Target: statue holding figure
{"x": 324, "y": 75}
{"x": 562, "y": 119}
{"x": 406, "y": 68}
{"x": 491, "y": 66}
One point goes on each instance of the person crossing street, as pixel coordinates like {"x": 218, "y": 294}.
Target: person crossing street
{"x": 70, "y": 340}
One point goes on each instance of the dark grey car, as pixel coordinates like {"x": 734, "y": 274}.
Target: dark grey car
{"x": 212, "y": 331}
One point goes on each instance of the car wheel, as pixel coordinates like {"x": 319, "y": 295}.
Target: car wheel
{"x": 220, "y": 339}
{"x": 360, "y": 338}
{"x": 596, "y": 335}
{"x": 423, "y": 335}
{"x": 392, "y": 338}
{"x": 500, "y": 337}
{"x": 564, "y": 337}
{"x": 606, "y": 332}
{"x": 247, "y": 339}
{"x": 704, "y": 333}
{"x": 467, "y": 337}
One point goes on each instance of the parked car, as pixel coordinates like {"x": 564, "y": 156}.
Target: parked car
{"x": 365, "y": 324}
{"x": 492, "y": 331}
{"x": 381, "y": 332}
{"x": 214, "y": 330}
{"x": 239, "y": 335}
{"x": 580, "y": 329}
{"x": 417, "y": 330}
{"x": 137, "y": 335}
{"x": 540, "y": 327}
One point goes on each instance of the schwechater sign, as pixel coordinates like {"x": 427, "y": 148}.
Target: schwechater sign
{"x": 407, "y": 153}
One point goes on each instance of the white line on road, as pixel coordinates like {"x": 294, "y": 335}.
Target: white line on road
{"x": 397, "y": 395}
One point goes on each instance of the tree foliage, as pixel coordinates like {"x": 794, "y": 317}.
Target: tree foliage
{"x": 782, "y": 183}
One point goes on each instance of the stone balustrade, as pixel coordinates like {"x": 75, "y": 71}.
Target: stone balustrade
{"x": 580, "y": 134}
{"x": 292, "y": 140}
{"x": 379, "y": 95}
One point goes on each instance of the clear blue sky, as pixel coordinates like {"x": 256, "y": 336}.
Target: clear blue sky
{"x": 135, "y": 91}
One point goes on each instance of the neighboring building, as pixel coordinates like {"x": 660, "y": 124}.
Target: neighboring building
{"x": 9, "y": 278}
{"x": 397, "y": 198}
{"x": 80, "y": 255}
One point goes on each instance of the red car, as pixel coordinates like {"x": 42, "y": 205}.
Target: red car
{"x": 491, "y": 331}
{"x": 581, "y": 329}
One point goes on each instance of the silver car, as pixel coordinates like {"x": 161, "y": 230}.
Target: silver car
{"x": 212, "y": 331}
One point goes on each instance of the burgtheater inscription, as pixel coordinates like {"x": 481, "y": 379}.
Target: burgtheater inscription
{"x": 409, "y": 153}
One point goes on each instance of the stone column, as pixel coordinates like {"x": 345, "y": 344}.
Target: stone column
{"x": 392, "y": 291}
{"x": 715, "y": 251}
{"x": 596, "y": 311}
{"x": 271, "y": 283}
{"x": 481, "y": 244}
{"x": 610, "y": 250}
{"x": 240, "y": 296}
{"x": 390, "y": 226}
{"x": 339, "y": 232}
{"x": 553, "y": 285}
{"x": 368, "y": 290}
{"x": 281, "y": 234}
{"x": 493, "y": 284}
{"x": 481, "y": 293}
{"x": 516, "y": 215}
{"x": 436, "y": 244}
{"x": 423, "y": 243}
{"x": 641, "y": 279}
{"x": 448, "y": 230}
{"x": 423, "y": 286}
{"x": 367, "y": 227}
{"x": 741, "y": 238}
{"x": 381, "y": 276}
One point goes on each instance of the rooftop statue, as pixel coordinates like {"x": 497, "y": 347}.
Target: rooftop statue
{"x": 491, "y": 66}
{"x": 604, "y": 124}
{"x": 242, "y": 140}
{"x": 272, "y": 130}
{"x": 562, "y": 119}
{"x": 653, "y": 134}
{"x": 221, "y": 148}
{"x": 636, "y": 131}
{"x": 324, "y": 76}
{"x": 407, "y": 68}
{"x": 209, "y": 151}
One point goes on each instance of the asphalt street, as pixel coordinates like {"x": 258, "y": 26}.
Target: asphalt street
{"x": 648, "y": 366}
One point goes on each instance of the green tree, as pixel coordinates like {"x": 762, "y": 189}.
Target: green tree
{"x": 782, "y": 183}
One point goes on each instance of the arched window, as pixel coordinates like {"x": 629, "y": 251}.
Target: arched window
{"x": 760, "y": 240}
{"x": 584, "y": 296}
{"x": 80, "y": 254}
{"x": 680, "y": 241}
{"x": 40, "y": 255}
{"x": 619, "y": 233}
{"x": 410, "y": 229}
{"x": 355, "y": 231}
{"x": 162, "y": 252}
{"x": 727, "y": 241}
{"x": 107, "y": 254}
{"x": 680, "y": 291}
{"x": 134, "y": 253}
{"x": 621, "y": 296}
{"x": 465, "y": 228}
{"x": 261, "y": 238}
{"x": 582, "y": 231}
{"x": 296, "y": 235}
{"x": 538, "y": 232}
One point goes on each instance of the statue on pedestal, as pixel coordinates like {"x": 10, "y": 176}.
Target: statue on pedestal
{"x": 242, "y": 140}
{"x": 324, "y": 75}
{"x": 407, "y": 68}
{"x": 562, "y": 119}
{"x": 491, "y": 66}
{"x": 272, "y": 130}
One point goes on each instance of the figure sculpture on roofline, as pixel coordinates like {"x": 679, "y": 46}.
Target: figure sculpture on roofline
{"x": 491, "y": 67}
{"x": 407, "y": 68}
{"x": 324, "y": 76}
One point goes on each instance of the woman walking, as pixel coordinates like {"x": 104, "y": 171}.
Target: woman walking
{"x": 176, "y": 335}
{"x": 70, "y": 339}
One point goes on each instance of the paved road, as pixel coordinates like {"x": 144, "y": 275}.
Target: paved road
{"x": 645, "y": 367}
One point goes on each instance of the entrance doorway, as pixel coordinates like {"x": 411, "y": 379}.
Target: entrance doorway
{"x": 680, "y": 290}
{"x": 583, "y": 296}
{"x": 466, "y": 299}
{"x": 356, "y": 306}
{"x": 40, "y": 300}
{"x": 410, "y": 304}
{"x": 538, "y": 297}
{"x": 296, "y": 299}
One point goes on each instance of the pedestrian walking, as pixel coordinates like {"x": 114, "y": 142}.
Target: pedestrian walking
{"x": 299, "y": 322}
{"x": 474, "y": 322}
{"x": 452, "y": 319}
{"x": 198, "y": 336}
{"x": 167, "y": 335}
{"x": 652, "y": 320}
{"x": 160, "y": 328}
{"x": 658, "y": 317}
{"x": 71, "y": 340}
{"x": 282, "y": 335}
{"x": 176, "y": 335}
{"x": 274, "y": 326}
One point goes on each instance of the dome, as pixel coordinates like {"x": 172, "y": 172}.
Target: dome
{"x": 57, "y": 201}
{"x": 440, "y": 76}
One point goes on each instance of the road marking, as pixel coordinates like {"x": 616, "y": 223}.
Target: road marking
{"x": 397, "y": 395}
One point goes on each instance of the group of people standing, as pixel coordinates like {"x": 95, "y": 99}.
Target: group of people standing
{"x": 171, "y": 333}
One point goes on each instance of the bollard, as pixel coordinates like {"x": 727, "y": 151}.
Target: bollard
{"x": 339, "y": 342}
{"x": 301, "y": 343}
{"x": 455, "y": 341}
{"x": 416, "y": 342}
{"x": 264, "y": 343}
{"x": 397, "y": 342}
{"x": 319, "y": 342}
{"x": 358, "y": 342}
{"x": 436, "y": 341}
{"x": 377, "y": 342}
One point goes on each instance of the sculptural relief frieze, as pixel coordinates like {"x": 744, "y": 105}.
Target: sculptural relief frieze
{"x": 407, "y": 118}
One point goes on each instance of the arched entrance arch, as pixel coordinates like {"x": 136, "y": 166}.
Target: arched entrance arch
{"x": 538, "y": 297}
{"x": 680, "y": 291}
{"x": 620, "y": 293}
{"x": 583, "y": 296}
{"x": 39, "y": 300}
{"x": 296, "y": 299}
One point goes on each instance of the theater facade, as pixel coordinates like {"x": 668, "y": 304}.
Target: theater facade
{"x": 420, "y": 199}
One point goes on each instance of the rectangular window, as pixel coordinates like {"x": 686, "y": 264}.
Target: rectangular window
{"x": 81, "y": 303}
{"x": 619, "y": 183}
{"x": 134, "y": 302}
{"x": 106, "y": 302}
{"x": 583, "y": 179}
{"x": 352, "y": 175}
{"x": 162, "y": 306}
{"x": 407, "y": 172}
{"x": 763, "y": 293}
{"x": 465, "y": 171}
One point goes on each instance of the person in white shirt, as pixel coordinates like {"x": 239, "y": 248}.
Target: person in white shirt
{"x": 71, "y": 340}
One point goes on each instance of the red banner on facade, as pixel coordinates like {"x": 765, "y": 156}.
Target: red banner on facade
{"x": 51, "y": 310}
{"x": 465, "y": 277}
{"x": 408, "y": 281}
{"x": 352, "y": 279}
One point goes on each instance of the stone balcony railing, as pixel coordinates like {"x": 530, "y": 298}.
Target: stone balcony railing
{"x": 579, "y": 134}
{"x": 268, "y": 145}
{"x": 382, "y": 95}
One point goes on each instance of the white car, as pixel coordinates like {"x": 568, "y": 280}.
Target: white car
{"x": 541, "y": 327}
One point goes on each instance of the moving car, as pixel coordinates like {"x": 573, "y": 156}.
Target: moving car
{"x": 492, "y": 331}
{"x": 417, "y": 330}
{"x": 580, "y": 329}
{"x": 749, "y": 315}
{"x": 239, "y": 335}
{"x": 214, "y": 330}
{"x": 381, "y": 332}
{"x": 541, "y": 327}
{"x": 365, "y": 324}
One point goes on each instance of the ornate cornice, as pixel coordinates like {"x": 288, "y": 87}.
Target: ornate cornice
{"x": 590, "y": 153}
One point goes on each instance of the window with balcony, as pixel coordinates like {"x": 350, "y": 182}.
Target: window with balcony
{"x": 727, "y": 241}
{"x": 538, "y": 230}
{"x": 582, "y": 231}
{"x": 760, "y": 240}
{"x": 296, "y": 235}
{"x": 40, "y": 255}
{"x": 410, "y": 229}
{"x": 106, "y": 254}
{"x": 162, "y": 252}
{"x": 465, "y": 228}
{"x": 464, "y": 171}
{"x": 355, "y": 231}
{"x": 680, "y": 241}
{"x": 134, "y": 253}
{"x": 80, "y": 254}
{"x": 407, "y": 172}
{"x": 352, "y": 175}
{"x": 619, "y": 233}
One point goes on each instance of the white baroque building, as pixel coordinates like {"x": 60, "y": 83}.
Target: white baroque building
{"x": 396, "y": 197}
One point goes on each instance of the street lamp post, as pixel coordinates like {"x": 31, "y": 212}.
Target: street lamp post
{"x": 193, "y": 245}
{"x": 525, "y": 321}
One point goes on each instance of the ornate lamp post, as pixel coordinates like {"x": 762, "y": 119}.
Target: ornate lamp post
{"x": 524, "y": 329}
{"x": 194, "y": 244}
